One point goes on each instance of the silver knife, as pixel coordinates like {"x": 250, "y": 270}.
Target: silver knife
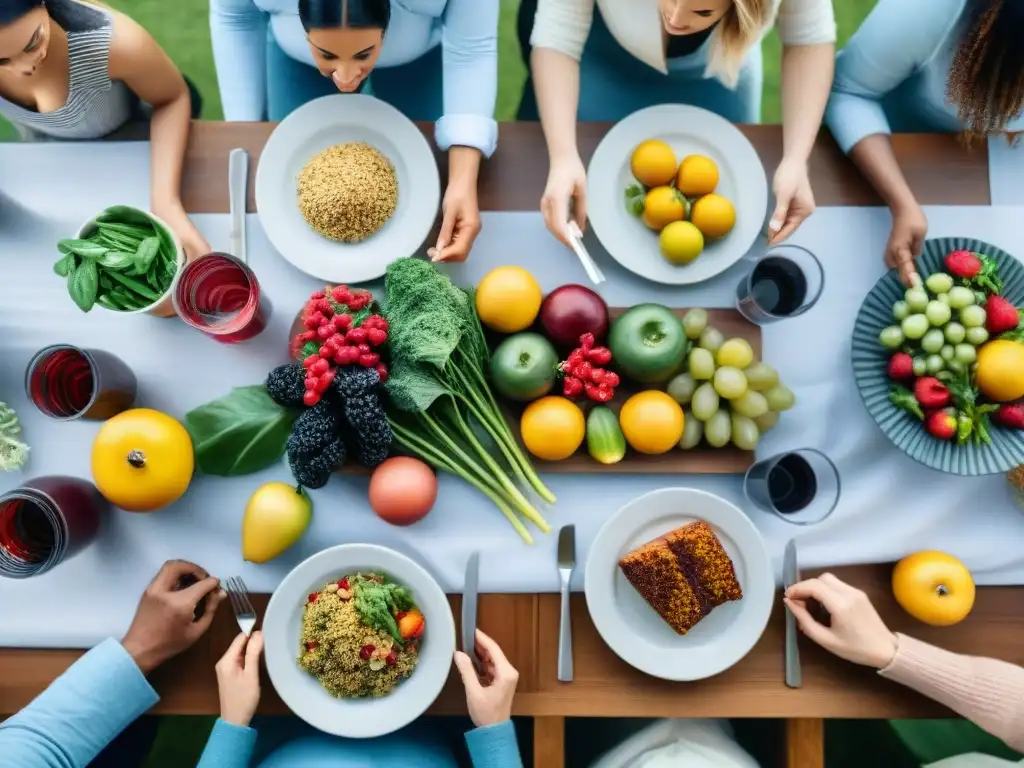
{"x": 566, "y": 562}
{"x": 469, "y": 598}
{"x": 238, "y": 182}
{"x": 791, "y": 576}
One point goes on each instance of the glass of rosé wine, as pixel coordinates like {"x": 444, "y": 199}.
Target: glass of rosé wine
{"x": 220, "y": 296}
{"x": 67, "y": 382}
{"x": 46, "y": 521}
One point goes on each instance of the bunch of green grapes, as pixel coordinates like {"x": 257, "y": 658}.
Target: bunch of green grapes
{"x": 940, "y": 326}
{"x": 726, "y": 393}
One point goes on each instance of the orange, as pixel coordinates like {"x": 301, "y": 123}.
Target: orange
{"x": 933, "y": 587}
{"x": 713, "y": 215}
{"x": 1000, "y": 371}
{"x": 651, "y": 421}
{"x": 680, "y": 242}
{"x": 553, "y": 428}
{"x": 697, "y": 176}
{"x": 508, "y": 299}
{"x": 653, "y": 163}
{"x": 662, "y": 206}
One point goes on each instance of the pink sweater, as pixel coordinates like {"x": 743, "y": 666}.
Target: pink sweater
{"x": 985, "y": 691}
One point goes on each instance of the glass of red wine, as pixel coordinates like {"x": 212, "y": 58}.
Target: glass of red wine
{"x": 802, "y": 486}
{"x": 220, "y": 296}
{"x": 785, "y": 282}
{"x": 67, "y": 382}
{"x": 45, "y": 522}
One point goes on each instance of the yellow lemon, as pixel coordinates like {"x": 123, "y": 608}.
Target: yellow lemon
{"x": 1000, "y": 371}
{"x": 508, "y": 299}
{"x": 681, "y": 242}
{"x": 697, "y": 176}
{"x": 653, "y": 163}
{"x": 662, "y": 206}
{"x": 553, "y": 428}
{"x": 714, "y": 216}
{"x": 651, "y": 421}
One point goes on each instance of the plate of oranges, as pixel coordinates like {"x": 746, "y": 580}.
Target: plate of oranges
{"x": 676, "y": 194}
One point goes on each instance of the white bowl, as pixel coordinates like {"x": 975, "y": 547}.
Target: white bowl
{"x": 163, "y": 306}
{"x": 303, "y": 693}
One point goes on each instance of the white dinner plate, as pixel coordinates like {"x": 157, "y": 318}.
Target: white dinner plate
{"x": 314, "y": 127}
{"x": 635, "y": 631}
{"x": 303, "y": 694}
{"x": 689, "y": 131}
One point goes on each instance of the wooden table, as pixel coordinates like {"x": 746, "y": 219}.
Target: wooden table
{"x": 940, "y": 171}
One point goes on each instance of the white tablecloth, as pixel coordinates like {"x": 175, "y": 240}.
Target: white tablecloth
{"x": 890, "y": 505}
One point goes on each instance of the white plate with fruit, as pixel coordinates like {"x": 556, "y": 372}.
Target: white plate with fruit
{"x": 676, "y": 194}
{"x": 940, "y": 366}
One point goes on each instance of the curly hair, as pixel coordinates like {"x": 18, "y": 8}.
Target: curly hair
{"x": 986, "y": 79}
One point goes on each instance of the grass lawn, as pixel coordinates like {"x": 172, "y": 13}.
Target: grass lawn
{"x": 182, "y": 29}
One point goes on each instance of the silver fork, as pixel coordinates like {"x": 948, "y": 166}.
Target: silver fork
{"x": 245, "y": 615}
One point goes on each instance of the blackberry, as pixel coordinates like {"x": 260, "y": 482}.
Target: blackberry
{"x": 315, "y": 428}
{"x": 369, "y": 431}
{"x": 314, "y": 471}
{"x": 354, "y": 380}
{"x": 286, "y": 385}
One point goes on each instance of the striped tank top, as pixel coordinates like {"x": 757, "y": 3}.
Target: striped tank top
{"x": 96, "y": 106}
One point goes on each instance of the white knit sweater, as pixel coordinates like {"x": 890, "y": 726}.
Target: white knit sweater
{"x": 563, "y": 25}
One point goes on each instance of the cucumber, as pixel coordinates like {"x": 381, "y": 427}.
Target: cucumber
{"x": 605, "y": 440}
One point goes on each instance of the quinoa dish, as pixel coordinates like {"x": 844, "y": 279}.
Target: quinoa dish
{"x": 360, "y": 635}
{"x": 348, "y": 192}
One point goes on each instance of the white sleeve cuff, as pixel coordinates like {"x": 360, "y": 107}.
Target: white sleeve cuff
{"x": 806, "y": 22}
{"x": 466, "y": 130}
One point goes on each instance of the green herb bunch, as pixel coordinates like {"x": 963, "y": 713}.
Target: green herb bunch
{"x": 126, "y": 264}
{"x": 378, "y": 600}
{"x": 13, "y": 452}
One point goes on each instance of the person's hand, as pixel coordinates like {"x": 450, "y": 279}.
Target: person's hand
{"x": 460, "y": 224}
{"x": 567, "y": 184}
{"x": 165, "y": 623}
{"x": 794, "y": 200}
{"x": 192, "y": 240}
{"x": 909, "y": 226}
{"x": 856, "y": 634}
{"x": 489, "y": 694}
{"x": 238, "y": 679}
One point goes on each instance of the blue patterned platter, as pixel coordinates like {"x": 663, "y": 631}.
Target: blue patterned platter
{"x": 870, "y": 359}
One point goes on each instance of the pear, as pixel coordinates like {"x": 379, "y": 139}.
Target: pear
{"x": 275, "y": 518}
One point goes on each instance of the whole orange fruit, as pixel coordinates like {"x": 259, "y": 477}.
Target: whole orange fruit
{"x": 1000, "y": 371}
{"x": 713, "y": 215}
{"x": 552, "y": 428}
{"x": 697, "y": 176}
{"x": 508, "y": 299}
{"x": 651, "y": 421}
{"x": 653, "y": 163}
{"x": 662, "y": 206}
{"x": 933, "y": 587}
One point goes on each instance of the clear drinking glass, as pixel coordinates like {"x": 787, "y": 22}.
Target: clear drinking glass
{"x": 220, "y": 296}
{"x": 67, "y": 382}
{"x": 785, "y": 282}
{"x": 802, "y": 486}
{"x": 46, "y": 521}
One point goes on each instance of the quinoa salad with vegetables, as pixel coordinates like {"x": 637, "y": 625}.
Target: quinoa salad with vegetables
{"x": 360, "y": 635}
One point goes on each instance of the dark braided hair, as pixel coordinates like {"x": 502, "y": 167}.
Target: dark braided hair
{"x": 986, "y": 80}
{"x": 12, "y": 10}
{"x": 342, "y": 14}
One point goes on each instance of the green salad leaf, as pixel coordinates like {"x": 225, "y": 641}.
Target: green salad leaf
{"x": 378, "y": 601}
{"x": 241, "y": 433}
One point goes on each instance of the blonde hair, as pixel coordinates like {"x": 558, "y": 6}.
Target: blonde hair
{"x": 741, "y": 27}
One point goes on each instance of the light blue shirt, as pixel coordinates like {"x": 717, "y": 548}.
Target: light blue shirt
{"x": 893, "y": 72}
{"x": 84, "y": 709}
{"x": 466, "y": 30}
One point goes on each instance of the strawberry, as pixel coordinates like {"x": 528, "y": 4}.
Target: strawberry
{"x": 1010, "y": 415}
{"x": 963, "y": 264}
{"x": 1000, "y": 315}
{"x": 901, "y": 366}
{"x": 932, "y": 393}
{"x": 941, "y": 424}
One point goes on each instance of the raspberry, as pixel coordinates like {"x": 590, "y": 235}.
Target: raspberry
{"x": 324, "y": 306}
{"x": 369, "y": 360}
{"x": 324, "y": 382}
{"x": 358, "y": 300}
{"x": 317, "y": 295}
{"x": 382, "y": 323}
{"x": 376, "y": 336}
{"x": 307, "y": 335}
{"x": 325, "y": 331}
{"x": 320, "y": 367}
{"x": 341, "y": 294}
{"x": 364, "y": 349}
{"x": 338, "y": 340}
{"x": 341, "y": 322}
{"x": 310, "y": 360}
{"x": 311, "y": 398}
{"x": 326, "y": 351}
{"x": 382, "y": 371}
{"x": 311, "y": 322}
{"x": 356, "y": 336}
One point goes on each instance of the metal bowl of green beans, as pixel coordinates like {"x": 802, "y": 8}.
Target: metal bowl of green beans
{"x": 123, "y": 259}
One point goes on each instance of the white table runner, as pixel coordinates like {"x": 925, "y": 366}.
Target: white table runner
{"x": 890, "y": 504}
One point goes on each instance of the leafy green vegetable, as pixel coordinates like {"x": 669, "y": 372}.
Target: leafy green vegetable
{"x": 13, "y": 452}
{"x": 84, "y": 284}
{"x": 115, "y": 260}
{"x": 241, "y": 433}
{"x": 64, "y": 265}
{"x": 378, "y": 600}
{"x": 439, "y": 390}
